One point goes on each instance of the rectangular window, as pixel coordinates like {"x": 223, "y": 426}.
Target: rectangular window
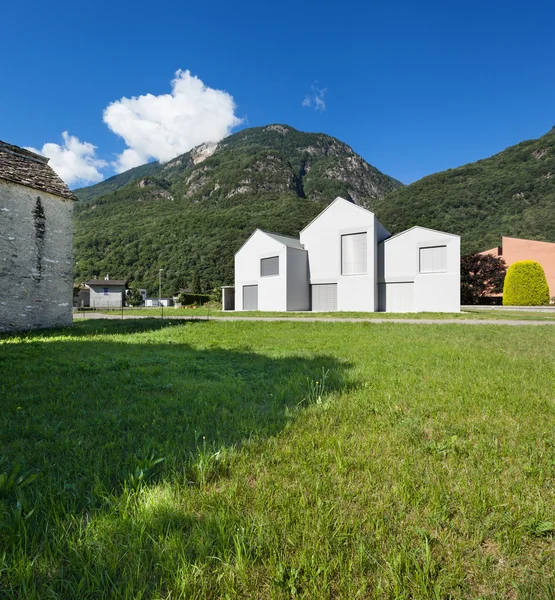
{"x": 433, "y": 259}
{"x": 354, "y": 254}
{"x": 105, "y": 291}
{"x": 269, "y": 266}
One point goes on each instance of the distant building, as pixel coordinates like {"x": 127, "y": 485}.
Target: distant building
{"x": 106, "y": 293}
{"x": 345, "y": 260}
{"x": 515, "y": 249}
{"x": 36, "y": 243}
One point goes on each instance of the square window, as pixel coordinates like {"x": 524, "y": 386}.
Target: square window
{"x": 269, "y": 266}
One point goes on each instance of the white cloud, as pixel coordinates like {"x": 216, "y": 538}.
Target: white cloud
{"x": 74, "y": 161}
{"x": 315, "y": 98}
{"x": 165, "y": 126}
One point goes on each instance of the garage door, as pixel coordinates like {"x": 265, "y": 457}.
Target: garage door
{"x": 250, "y": 297}
{"x": 324, "y": 296}
{"x": 396, "y": 297}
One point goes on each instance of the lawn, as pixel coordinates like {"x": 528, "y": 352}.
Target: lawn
{"x": 162, "y": 459}
{"x": 204, "y": 312}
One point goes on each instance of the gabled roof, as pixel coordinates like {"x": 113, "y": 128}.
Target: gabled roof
{"x": 286, "y": 240}
{"x": 31, "y": 170}
{"x": 338, "y": 199}
{"x": 419, "y": 227}
{"x": 106, "y": 282}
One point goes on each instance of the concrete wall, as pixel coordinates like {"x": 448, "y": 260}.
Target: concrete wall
{"x": 272, "y": 290}
{"x": 406, "y": 289}
{"x": 322, "y": 239}
{"x": 298, "y": 287}
{"x": 36, "y": 259}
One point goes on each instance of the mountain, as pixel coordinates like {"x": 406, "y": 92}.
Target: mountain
{"x": 511, "y": 194}
{"x": 190, "y": 215}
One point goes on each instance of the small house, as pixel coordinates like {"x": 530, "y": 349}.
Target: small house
{"x": 107, "y": 293}
{"x": 36, "y": 243}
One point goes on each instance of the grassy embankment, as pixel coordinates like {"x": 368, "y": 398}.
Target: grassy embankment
{"x": 277, "y": 460}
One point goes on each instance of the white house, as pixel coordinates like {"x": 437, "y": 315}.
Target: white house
{"x": 346, "y": 260}
{"x": 271, "y": 273}
{"x": 419, "y": 271}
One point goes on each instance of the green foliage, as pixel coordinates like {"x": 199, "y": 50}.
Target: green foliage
{"x": 190, "y": 217}
{"x": 187, "y": 298}
{"x": 481, "y": 275}
{"x": 525, "y": 285}
{"x": 133, "y": 297}
{"x": 511, "y": 194}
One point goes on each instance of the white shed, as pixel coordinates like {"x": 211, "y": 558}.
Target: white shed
{"x": 271, "y": 273}
{"x": 419, "y": 271}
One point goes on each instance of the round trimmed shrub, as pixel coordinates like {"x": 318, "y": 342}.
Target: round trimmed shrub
{"x": 525, "y": 285}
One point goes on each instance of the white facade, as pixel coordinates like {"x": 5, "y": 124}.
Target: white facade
{"x": 419, "y": 272}
{"x": 269, "y": 288}
{"x": 327, "y": 239}
{"x": 346, "y": 260}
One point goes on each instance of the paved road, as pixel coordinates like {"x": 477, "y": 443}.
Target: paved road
{"x": 326, "y": 320}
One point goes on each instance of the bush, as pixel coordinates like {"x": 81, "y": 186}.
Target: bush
{"x": 186, "y": 299}
{"x": 525, "y": 285}
{"x": 482, "y": 275}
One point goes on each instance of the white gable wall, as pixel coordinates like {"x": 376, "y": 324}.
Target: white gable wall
{"x": 322, "y": 239}
{"x": 408, "y": 282}
{"x": 272, "y": 290}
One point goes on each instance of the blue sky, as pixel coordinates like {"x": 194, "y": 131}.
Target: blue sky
{"x": 415, "y": 88}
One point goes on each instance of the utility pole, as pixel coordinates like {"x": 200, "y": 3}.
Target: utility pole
{"x": 160, "y": 291}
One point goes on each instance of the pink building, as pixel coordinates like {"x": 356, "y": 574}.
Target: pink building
{"x": 515, "y": 249}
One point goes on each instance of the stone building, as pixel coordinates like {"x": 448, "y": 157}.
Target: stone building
{"x": 36, "y": 243}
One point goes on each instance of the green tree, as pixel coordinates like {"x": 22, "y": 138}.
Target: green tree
{"x": 133, "y": 297}
{"x": 481, "y": 275}
{"x": 525, "y": 285}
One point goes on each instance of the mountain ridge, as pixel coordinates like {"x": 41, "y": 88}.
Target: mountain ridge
{"x": 511, "y": 193}
{"x": 190, "y": 214}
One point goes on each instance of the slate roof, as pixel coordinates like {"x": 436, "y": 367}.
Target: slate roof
{"x": 286, "y": 240}
{"x": 31, "y": 170}
{"x": 106, "y": 282}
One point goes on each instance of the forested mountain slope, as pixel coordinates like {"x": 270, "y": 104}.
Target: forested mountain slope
{"x": 190, "y": 215}
{"x": 511, "y": 193}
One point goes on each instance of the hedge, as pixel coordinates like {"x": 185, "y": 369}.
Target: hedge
{"x": 186, "y": 298}
{"x": 525, "y": 285}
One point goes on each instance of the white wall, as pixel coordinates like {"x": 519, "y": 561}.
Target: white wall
{"x": 322, "y": 239}
{"x": 298, "y": 288}
{"x": 272, "y": 290}
{"x": 400, "y": 264}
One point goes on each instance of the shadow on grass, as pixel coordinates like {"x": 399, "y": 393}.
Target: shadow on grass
{"x": 86, "y": 411}
{"x": 91, "y": 410}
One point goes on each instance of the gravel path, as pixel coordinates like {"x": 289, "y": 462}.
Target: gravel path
{"x": 514, "y": 322}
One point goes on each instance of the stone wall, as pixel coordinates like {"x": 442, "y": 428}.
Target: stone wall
{"x": 36, "y": 258}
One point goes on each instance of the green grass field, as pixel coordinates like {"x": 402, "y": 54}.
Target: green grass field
{"x": 156, "y": 459}
{"x": 203, "y": 312}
